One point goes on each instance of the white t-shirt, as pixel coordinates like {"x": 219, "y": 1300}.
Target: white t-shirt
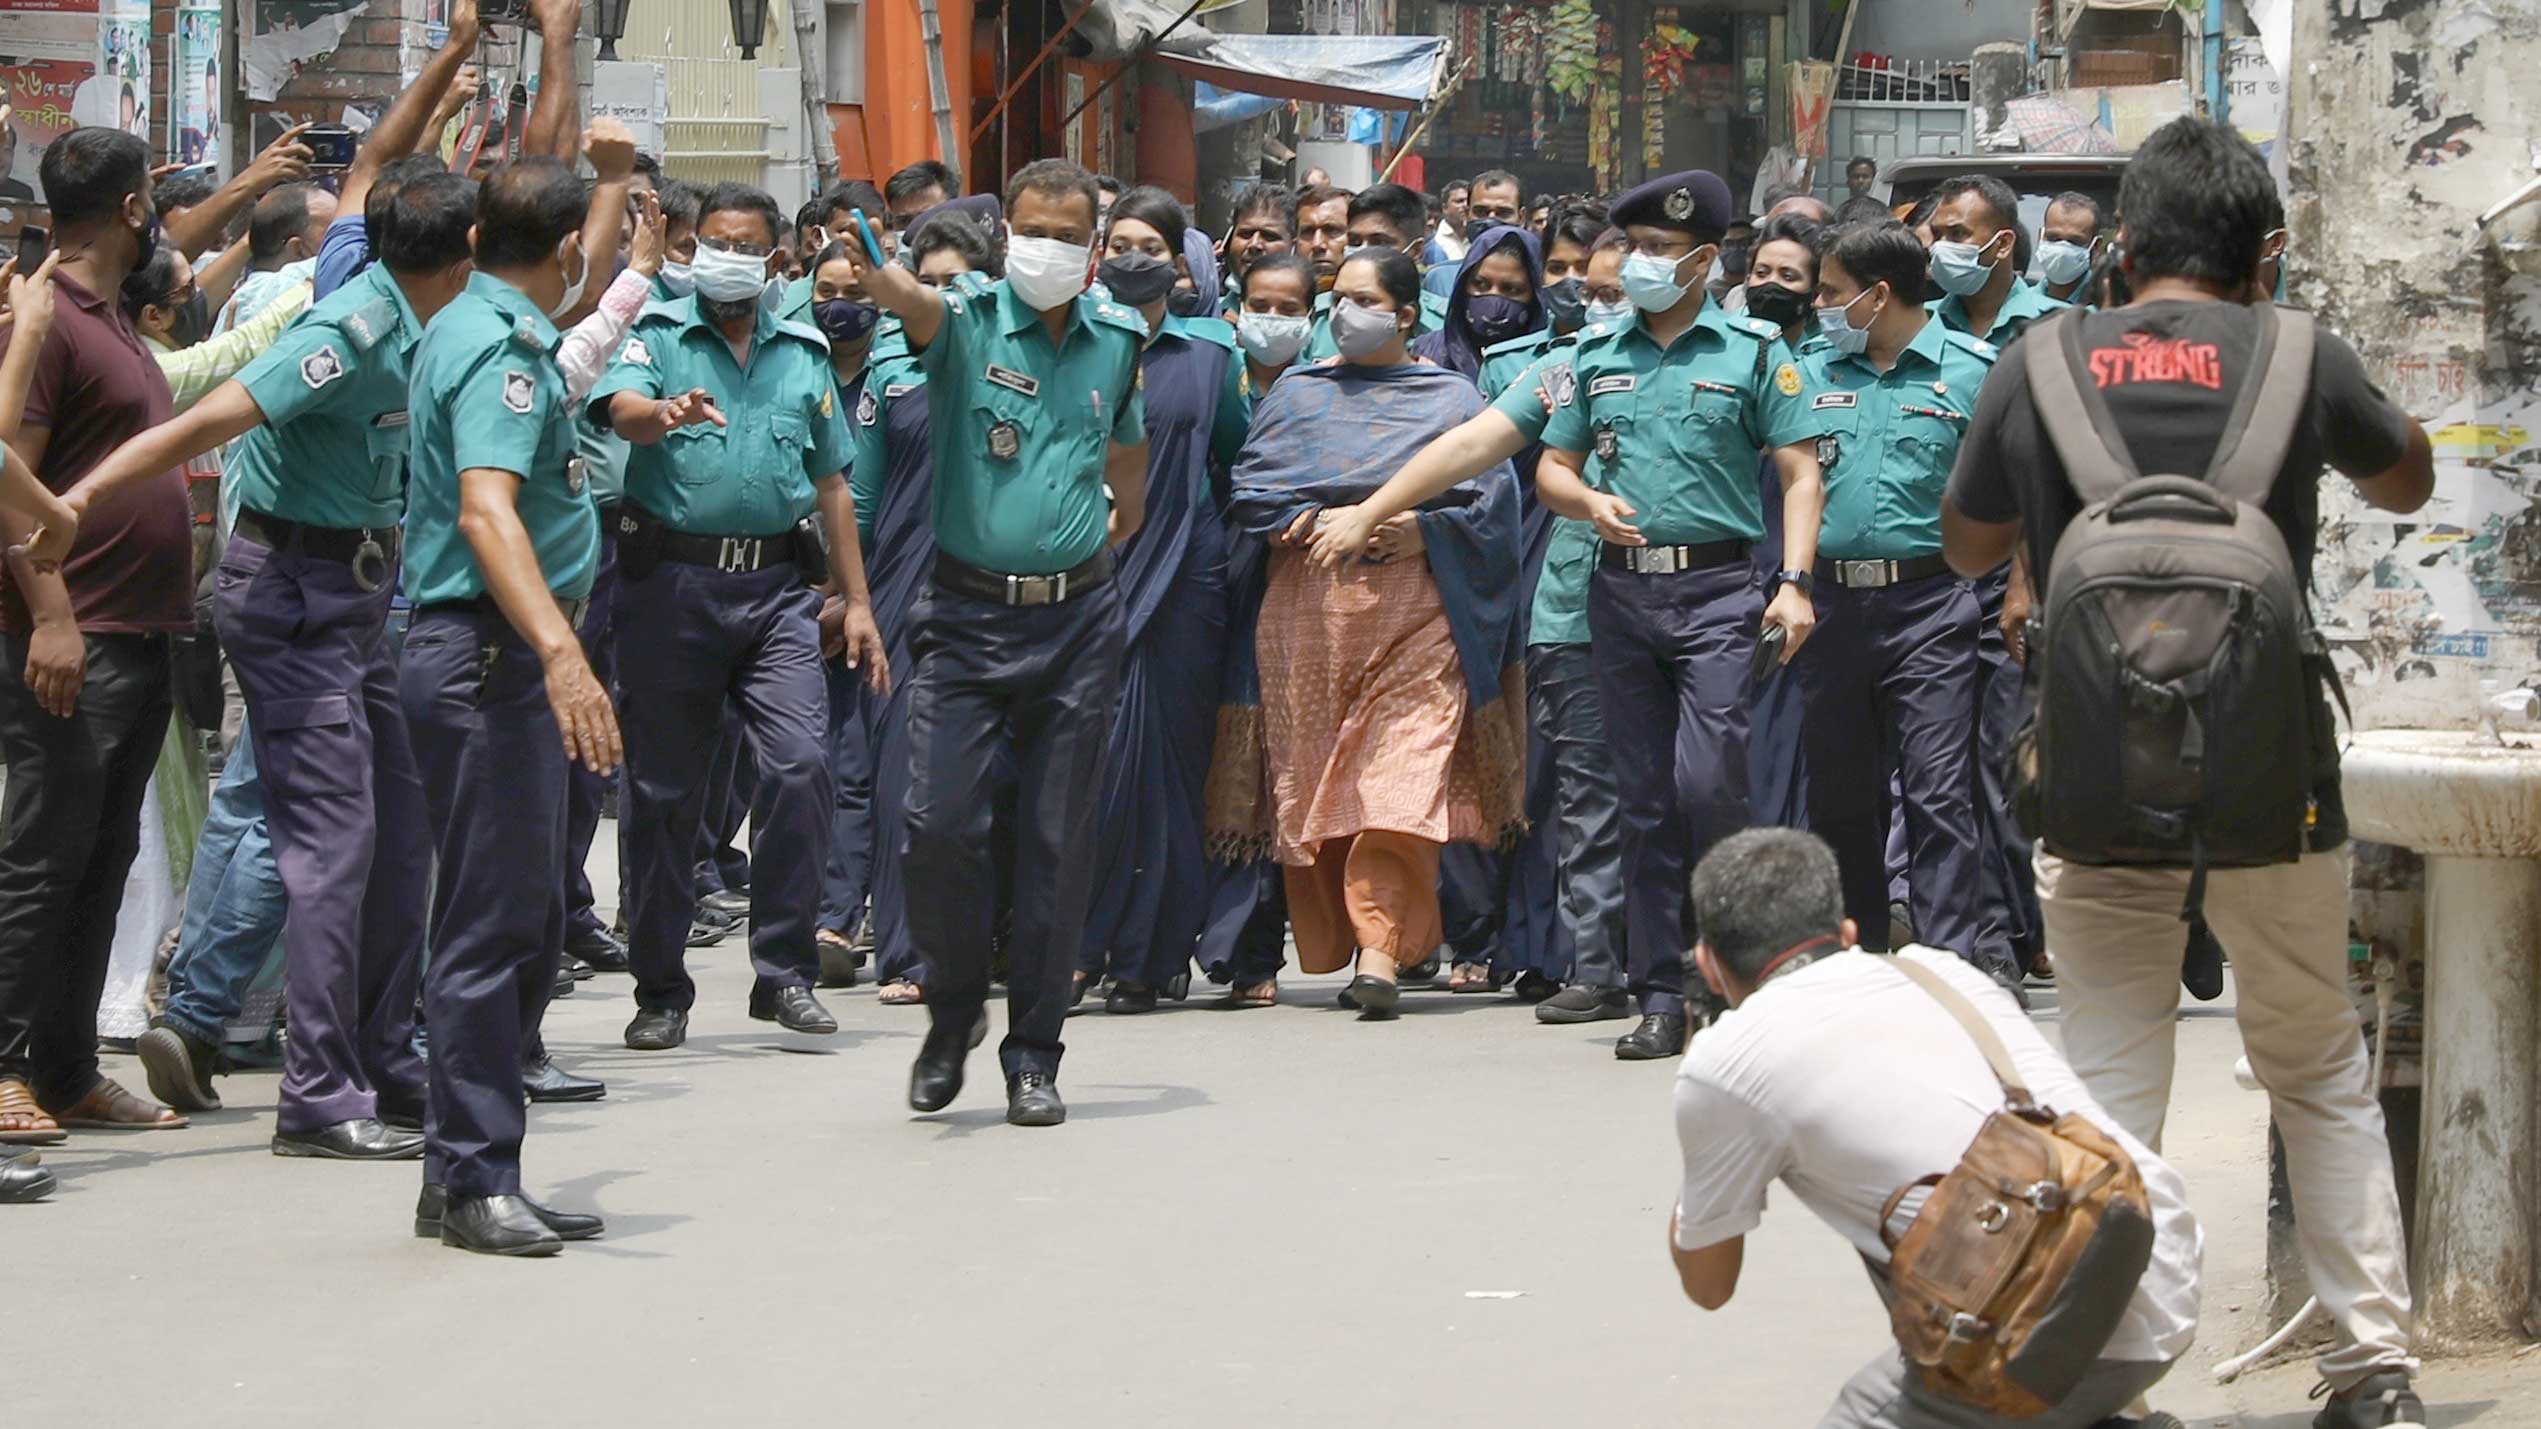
{"x": 1844, "y": 1081}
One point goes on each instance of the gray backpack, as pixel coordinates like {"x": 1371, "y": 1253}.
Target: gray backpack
{"x": 2180, "y": 719}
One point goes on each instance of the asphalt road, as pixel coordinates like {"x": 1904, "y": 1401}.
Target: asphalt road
{"x": 1277, "y": 1217}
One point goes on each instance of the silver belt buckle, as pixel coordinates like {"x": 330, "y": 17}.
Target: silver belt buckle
{"x": 737, "y": 555}
{"x": 1028, "y": 590}
{"x": 1660, "y": 560}
{"x": 1864, "y": 575}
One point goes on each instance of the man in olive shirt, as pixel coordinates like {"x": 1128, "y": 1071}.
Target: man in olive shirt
{"x": 1019, "y": 639}
{"x": 501, "y": 544}
{"x": 737, "y": 439}
{"x": 302, "y": 598}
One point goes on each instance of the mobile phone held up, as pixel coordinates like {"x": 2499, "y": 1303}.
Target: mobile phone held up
{"x": 504, "y": 12}
{"x": 331, "y": 147}
{"x": 33, "y": 244}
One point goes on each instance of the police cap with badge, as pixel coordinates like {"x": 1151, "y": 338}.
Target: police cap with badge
{"x": 1695, "y": 201}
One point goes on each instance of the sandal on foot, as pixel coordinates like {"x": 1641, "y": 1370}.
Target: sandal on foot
{"x": 1252, "y": 994}
{"x": 35, "y": 1128}
{"x": 108, "y": 1107}
{"x": 900, "y": 992}
{"x": 1469, "y": 977}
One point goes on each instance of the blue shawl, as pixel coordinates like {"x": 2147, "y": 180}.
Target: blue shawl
{"x": 1327, "y": 436}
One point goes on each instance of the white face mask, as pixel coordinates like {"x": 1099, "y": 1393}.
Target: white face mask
{"x": 573, "y": 290}
{"x": 1044, "y": 271}
{"x": 728, "y": 277}
{"x": 677, "y": 280}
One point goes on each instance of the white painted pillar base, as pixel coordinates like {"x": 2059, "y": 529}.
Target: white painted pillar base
{"x": 2477, "y": 1210}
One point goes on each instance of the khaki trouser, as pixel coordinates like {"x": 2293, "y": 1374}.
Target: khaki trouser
{"x": 2117, "y": 941}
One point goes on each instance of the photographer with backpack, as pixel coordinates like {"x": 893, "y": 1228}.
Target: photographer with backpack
{"x": 2160, "y": 463}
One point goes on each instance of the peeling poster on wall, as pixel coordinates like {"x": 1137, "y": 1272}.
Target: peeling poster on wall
{"x": 278, "y": 38}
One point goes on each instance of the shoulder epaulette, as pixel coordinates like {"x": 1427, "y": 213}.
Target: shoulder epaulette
{"x": 525, "y": 334}
{"x": 1524, "y": 342}
{"x": 365, "y": 325}
{"x": 806, "y": 331}
{"x": 1756, "y": 327}
{"x": 1119, "y": 316}
{"x": 1209, "y": 330}
{"x": 1977, "y": 345}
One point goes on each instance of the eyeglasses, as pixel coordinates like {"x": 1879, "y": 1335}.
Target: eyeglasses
{"x": 747, "y": 250}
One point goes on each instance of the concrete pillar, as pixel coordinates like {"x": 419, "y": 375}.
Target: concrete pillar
{"x": 2477, "y": 1206}
{"x": 2405, "y": 119}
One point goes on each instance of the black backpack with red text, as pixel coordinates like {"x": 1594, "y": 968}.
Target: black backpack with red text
{"x": 2180, "y": 719}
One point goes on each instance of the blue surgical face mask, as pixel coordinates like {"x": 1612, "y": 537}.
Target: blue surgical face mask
{"x": 726, "y": 276}
{"x": 1956, "y": 269}
{"x": 1649, "y": 281}
{"x": 2062, "y": 262}
{"x": 1565, "y": 303}
{"x": 1836, "y": 326}
{"x": 677, "y": 280}
{"x": 1609, "y": 312}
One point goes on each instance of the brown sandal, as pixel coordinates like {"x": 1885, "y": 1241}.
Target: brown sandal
{"x": 37, "y": 1129}
{"x": 902, "y": 993}
{"x": 108, "y": 1107}
{"x": 1253, "y": 994}
{"x": 1469, "y": 977}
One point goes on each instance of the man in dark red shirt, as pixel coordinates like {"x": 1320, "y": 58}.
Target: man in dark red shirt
{"x": 84, "y": 693}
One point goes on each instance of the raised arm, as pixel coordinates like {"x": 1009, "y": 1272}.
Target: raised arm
{"x": 555, "y": 117}
{"x": 611, "y": 150}
{"x": 584, "y": 354}
{"x": 284, "y": 161}
{"x": 919, "y": 307}
{"x": 407, "y": 120}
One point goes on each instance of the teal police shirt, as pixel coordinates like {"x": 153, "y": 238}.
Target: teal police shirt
{"x": 1513, "y": 378}
{"x": 487, "y": 394}
{"x": 1022, "y": 426}
{"x": 1677, "y": 429}
{"x": 2026, "y": 303}
{"x": 783, "y": 429}
{"x": 332, "y": 449}
{"x": 1886, "y": 440}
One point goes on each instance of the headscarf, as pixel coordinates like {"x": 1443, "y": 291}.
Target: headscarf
{"x": 1201, "y": 257}
{"x": 1328, "y": 436}
{"x": 1454, "y": 345}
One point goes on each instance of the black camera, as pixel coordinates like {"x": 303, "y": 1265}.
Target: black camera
{"x": 331, "y": 147}
{"x": 503, "y": 12}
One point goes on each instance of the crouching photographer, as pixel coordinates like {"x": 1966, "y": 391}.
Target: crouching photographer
{"x": 2038, "y": 1264}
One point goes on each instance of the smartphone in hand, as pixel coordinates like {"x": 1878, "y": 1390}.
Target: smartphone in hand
{"x": 331, "y": 148}
{"x": 1768, "y": 658}
{"x": 33, "y": 244}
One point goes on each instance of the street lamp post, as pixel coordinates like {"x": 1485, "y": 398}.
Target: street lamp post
{"x": 749, "y": 25}
{"x": 608, "y": 25}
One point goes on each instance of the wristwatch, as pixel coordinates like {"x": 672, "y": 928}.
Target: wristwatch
{"x": 1807, "y": 581}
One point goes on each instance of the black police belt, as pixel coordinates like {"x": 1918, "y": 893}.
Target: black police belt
{"x": 999, "y": 588}
{"x": 733, "y": 555}
{"x": 1877, "y": 575}
{"x": 369, "y": 550}
{"x": 1672, "y": 560}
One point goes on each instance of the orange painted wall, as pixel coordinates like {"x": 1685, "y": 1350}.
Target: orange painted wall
{"x": 895, "y": 126}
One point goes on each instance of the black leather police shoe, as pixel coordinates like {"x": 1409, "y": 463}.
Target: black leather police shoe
{"x": 23, "y": 1179}
{"x": 431, "y": 1206}
{"x": 1659, "y": 1036}
{"x": 1426, "y": 970}
{"x": 361, "y": 1139}
{"x": 598, "y": 948}
{"x": 1585, "y": 1004}
{"x": 1127, "y": 997}
{"x": 732, "y": 902}
{"x": 1032, "y": 1099}
{"x": 656, "y": 1029}
{"x": 496, "y": 1225}
{"x": 179, "y": 1067}
{"x": 935, "y": 1078}
{"x": 792, "y": 1008}
{"x": 563, "y": 986}
{"x": 547, "y": 1082}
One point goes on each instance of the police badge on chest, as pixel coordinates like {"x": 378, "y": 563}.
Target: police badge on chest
{"x": 1607, "y": 442}
{"x": 1004, "y": 441}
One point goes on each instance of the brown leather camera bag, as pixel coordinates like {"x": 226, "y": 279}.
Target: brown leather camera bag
{"x": 2016, "y": 1270}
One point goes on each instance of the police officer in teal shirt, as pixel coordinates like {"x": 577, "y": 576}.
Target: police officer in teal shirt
{"x": 1978, "y": 248}
{"x": 737, "y": 439}
{"x": 301, "y": 600}
{"x": 1890, "y": 681}
{"x": 502, "y": 542}
{"x": 1033, "y": 387}
{"x": 1673, "y": 403}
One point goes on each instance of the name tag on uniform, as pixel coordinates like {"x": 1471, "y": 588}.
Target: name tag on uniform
{"x": 1620, "y": 382}
{"x": 897, "y": 390}
{"x": 1014, "y": 381}
{"x": 1825, "y": 400}
{"x": 390, "y": 419}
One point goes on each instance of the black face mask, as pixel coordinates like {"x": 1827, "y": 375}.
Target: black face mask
{"x": 1138, "y": 279}
{"x": 1565, "y": 303}
{"x": 1475, "y": 227}
{"x": 844, "y": 319}
{"x": 1191, "y": 303}
{"x": 1776, "y": 304}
